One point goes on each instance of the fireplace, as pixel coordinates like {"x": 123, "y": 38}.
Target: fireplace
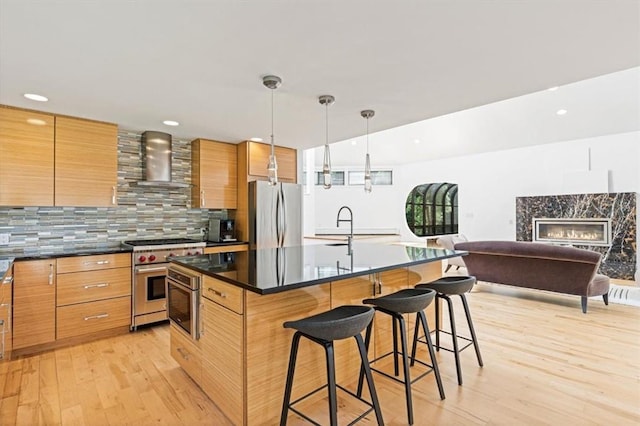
{"x": 586, "y": 232}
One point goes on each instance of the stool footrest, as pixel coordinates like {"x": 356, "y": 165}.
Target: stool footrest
{"x": 310, "y": 420}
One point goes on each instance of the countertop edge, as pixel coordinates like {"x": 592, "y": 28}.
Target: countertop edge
{"x": 273, "y": 290}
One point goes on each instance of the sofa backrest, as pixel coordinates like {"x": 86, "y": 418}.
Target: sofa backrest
{"x": 533, "y": 265}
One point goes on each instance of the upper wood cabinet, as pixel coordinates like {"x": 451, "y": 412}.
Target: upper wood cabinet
{"x": 48, "y": 160}
{"x": 86, "y": 163}
{"x": 26, "y": 157}
{"x": 214, "y": 174}
{"x": 258, "y": 158}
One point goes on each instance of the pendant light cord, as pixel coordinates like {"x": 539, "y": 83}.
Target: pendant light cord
{"x": 272, "y": 149}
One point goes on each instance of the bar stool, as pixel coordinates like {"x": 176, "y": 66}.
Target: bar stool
{"x": 405, "y": 301}
{"x": 339, "y": 323}
{"x": 450, "y": 286}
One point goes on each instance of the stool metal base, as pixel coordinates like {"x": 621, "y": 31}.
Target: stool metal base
{"x": 398, "y": 322}
{"x": 473, "y": 340}
{"x": 331, "y": 382}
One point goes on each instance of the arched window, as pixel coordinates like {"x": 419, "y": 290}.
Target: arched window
{"x": 432, "y": 209}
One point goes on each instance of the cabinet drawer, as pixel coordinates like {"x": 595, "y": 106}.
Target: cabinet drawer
{"x": 79, "y": 287}
{"x": 223, "y": 293}
{"x": 85, "y": 318}
{"x": 186, "y": 352}
{"x": 92, "y": 263}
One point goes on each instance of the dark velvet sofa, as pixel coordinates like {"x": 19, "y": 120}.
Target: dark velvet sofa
{"x": 539, "y": 266}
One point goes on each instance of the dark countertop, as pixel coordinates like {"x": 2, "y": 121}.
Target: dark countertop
{"x": 266, "y": 271}
{"x": 53, "y": 253}
{"x": 224, "y": 243}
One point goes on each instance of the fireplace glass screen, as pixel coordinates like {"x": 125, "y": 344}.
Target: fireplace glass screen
{"x": 595, "y": 232}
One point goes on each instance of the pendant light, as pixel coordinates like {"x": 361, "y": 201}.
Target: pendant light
{"x": 326, "y": 100}
{"x": 367, "y": 113}
{"x": 272, "y": 82}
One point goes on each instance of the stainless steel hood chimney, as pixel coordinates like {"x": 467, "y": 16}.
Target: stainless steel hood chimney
{"x": 156, "y": 161}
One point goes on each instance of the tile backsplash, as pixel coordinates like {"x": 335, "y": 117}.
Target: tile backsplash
{"x": 142, "y": 212}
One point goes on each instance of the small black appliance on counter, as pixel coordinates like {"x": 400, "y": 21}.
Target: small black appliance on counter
{"x": 221, "y": 230}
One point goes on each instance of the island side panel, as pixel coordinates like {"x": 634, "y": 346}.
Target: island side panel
{"x": 267, "y": 349}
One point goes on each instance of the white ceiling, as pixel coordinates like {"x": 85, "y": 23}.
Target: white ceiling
{"x": 201, "y": 63}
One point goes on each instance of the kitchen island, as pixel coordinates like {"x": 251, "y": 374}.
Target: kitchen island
{"x": 240, "y": 360}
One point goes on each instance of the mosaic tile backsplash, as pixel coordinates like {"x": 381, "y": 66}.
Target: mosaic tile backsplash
{"x": 142, "y": 212}
{"x": 618, "y": 259}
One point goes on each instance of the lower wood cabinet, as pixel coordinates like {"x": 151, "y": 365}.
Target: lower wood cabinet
{"x": 6, "y": 297}
{"x": 186, "y": 352}
{"x": 34, "y": 303}
{"x": 91, "y": 317}
{"x": 222, "y": 359}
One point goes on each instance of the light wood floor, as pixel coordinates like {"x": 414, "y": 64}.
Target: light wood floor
{"x": 545, "y": 363}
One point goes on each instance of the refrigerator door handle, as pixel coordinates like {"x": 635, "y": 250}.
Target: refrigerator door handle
{"x": 278, "y": 219}
{"x": 283, "y": 216}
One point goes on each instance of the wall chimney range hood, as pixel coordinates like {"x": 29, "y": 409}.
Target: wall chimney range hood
{"x": 156, "y": 161}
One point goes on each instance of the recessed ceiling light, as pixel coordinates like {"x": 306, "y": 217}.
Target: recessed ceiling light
{"x": 416, "y": 141}
{"x": 170, "y": 123}
{"x": 255, "y": 139}
{"x": 561, "y": 112}
{"x": 553, "y": 89}
{"x": 35, "y": 97}
{"x": 354, "y": 142}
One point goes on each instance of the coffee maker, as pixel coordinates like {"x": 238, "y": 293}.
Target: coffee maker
{"x": 221, "y": 230}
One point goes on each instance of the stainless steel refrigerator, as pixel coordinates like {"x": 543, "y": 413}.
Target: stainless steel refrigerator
{"x": 275, "y": 214}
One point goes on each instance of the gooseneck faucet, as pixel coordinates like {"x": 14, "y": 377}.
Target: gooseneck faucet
{"x": 350, "y": 220}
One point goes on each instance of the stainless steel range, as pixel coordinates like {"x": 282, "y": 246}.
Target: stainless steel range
{"x": 150, "y": 260}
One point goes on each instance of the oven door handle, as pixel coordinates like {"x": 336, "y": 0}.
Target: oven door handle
{"x": 157, "y": 269}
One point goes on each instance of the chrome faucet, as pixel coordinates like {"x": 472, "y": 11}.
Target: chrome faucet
{"x": 350, "y": 220}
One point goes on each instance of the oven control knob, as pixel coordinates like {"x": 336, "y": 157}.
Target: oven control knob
{"x": 152, "y": 258}
{"x": 171, "y": 255}
{"x": 142, "y": 258}
{"x": 196, "y": 252}
{"x": 188, "y": 253}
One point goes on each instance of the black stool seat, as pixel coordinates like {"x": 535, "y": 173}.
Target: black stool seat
{"x": 405, "y": 301}
{"x": 337, "y": 324}
{"x": 411, "y": 300}
{"x": 343, "y": 322}
{"x": 451, "y": 285}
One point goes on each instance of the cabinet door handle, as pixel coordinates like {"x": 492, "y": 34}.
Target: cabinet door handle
{"x": 101, "y": 285}
{"x": 99, "y": 262}
{"x": 217, "y": 293}
{"x": 184, "y": 353}
{"x": 51, "y": 274}
{"x": 99, "y": 316}
{"x": 8, "y": 280}
{"x": 113, "y": 195}
{"x": 202, "y": 202}
{"x": 201, "y": 318}
{"x": 8, "y": 305}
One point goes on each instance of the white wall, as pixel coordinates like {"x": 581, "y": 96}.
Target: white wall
{"x": 490, "y": 182}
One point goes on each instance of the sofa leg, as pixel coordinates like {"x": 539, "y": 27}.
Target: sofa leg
{"x": 605, "y": 297}
{"x": 584, "y": 304}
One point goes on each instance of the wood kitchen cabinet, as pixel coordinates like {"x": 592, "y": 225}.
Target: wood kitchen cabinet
{"x": 226, "y": 248}
{"x": 93, "y": 294}
{"x": 222, "y": 347}
{"x": 86, "y": 163}
{"x": 258, "y": 158}
{"x": 34, "y": 303}
{"x": 26, "y": 157}
{"x": 6, "y": 298}
{"x": 48, "y": 160}
{"x": 214, "y": 174}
